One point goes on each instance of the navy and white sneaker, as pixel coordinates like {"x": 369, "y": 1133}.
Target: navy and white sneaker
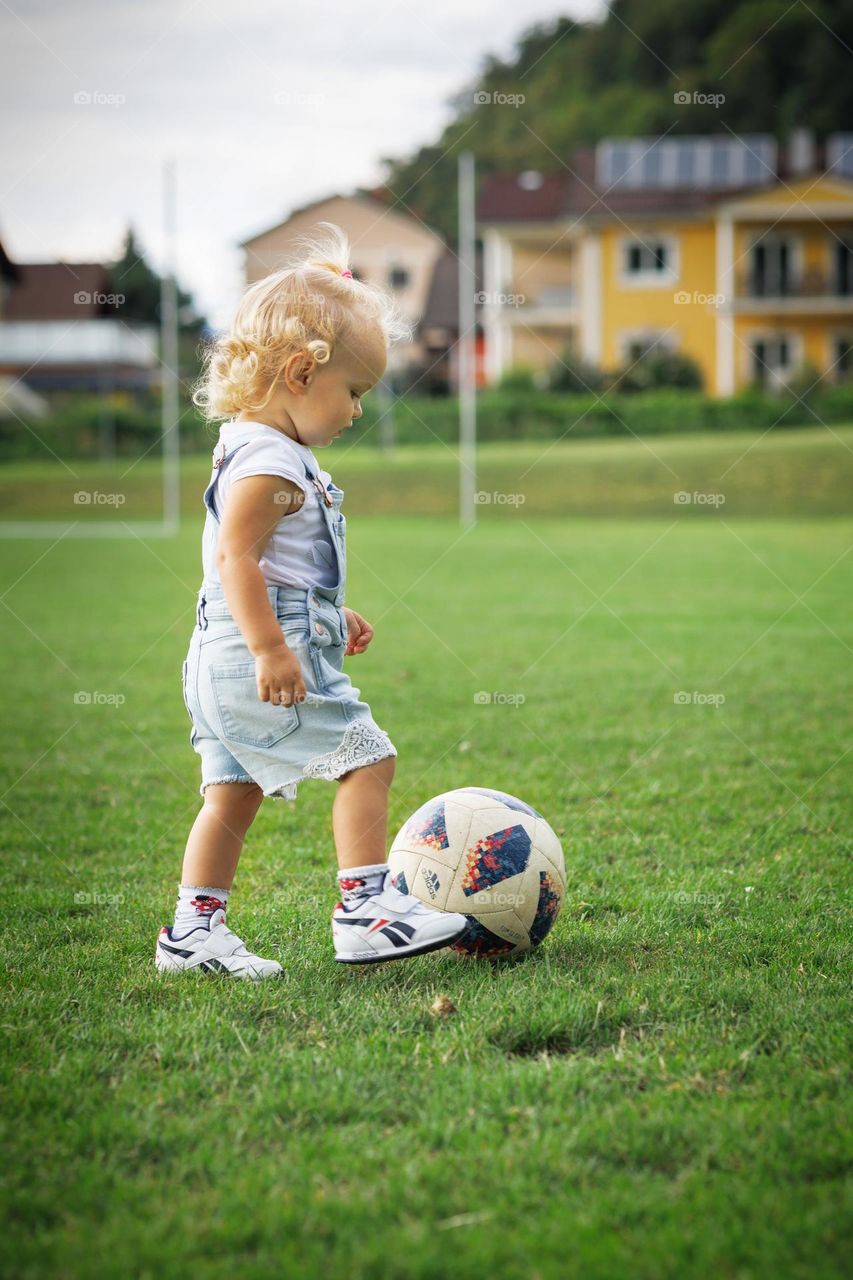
{"x": 390, "y": 925}
{"x": 213, "y": 948}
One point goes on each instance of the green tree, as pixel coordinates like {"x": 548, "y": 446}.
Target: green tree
{"x": 779, "y": 65}
{"x": 140, "y": 284}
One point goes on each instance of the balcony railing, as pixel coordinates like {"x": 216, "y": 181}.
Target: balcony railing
{"x": 811, "y": 284}
{"x": 553, "y": 297}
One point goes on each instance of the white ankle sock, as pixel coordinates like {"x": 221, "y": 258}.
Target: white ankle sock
{"x": 196, "y": 904}
{"x": 361, "y": 882}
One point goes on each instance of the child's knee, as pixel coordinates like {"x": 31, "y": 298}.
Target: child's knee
{"x": 383, "y": 770}
{"x": 243, "y": 798}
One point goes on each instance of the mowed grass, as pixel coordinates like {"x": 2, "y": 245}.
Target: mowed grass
{"x": 800, "y": 472}
{"x": 661, "y": 1090}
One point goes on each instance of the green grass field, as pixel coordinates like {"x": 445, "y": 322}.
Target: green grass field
{"x": 662, "y": 1090}
{"x": 780, "y": 473}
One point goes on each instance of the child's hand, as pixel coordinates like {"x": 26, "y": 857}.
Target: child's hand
{"x": 279, "y": 676}
{"x": 359, "y": 632}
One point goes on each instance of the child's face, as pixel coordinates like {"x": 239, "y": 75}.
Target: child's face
{"x": 326, "y": 399}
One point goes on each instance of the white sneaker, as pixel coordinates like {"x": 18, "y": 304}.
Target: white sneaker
{"x": 391, "y": 926}
{"x": 213, "y": 948}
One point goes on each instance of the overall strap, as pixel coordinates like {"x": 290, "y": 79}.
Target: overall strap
{"x": 221, "y": 457}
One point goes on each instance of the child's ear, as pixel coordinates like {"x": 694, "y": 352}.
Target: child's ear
{"x": 297, "y": 372}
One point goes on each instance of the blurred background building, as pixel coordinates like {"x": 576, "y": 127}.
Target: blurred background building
{"x": 730, "y": 251}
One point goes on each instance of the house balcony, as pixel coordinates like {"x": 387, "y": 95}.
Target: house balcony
{"x": 553, "y": 306}
{"x": 812, "y": 293}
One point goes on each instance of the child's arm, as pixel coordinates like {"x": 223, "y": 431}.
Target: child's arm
{"x": 255, "y": 506}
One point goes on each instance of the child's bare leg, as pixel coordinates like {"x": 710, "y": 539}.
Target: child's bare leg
{"x": 199, "y": 938}
{"x": 374, "y": 920}
{"x": 360, "y": 814}
{"x": 216, "y": 839}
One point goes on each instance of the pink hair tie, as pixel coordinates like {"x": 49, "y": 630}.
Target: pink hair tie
{"x": 347, "y": 273}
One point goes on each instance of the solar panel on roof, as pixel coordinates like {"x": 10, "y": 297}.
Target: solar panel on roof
{"x": 689, "y": 162}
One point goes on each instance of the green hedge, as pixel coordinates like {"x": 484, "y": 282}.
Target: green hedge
{"x": 532, "y": 415}
{"x": 74, "y": 431}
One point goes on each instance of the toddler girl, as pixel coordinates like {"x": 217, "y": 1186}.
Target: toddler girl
{"x": 263, "y": 679}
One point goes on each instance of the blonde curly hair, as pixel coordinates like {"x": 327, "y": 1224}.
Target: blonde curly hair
{"x": 308, "y": 306}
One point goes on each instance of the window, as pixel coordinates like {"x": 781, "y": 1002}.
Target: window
{"x": 636, "y": 344}
{"x": 639, "y": 348}
{"x": 839, "y": 155}
{"x": 844, "y": 268}
{"x": 398, "y": 277}
{"x": 772, "y": 268}
{"x": 842, "y": 358}
{"x": 650, "y": 260}
{"x": 772, "y": 359}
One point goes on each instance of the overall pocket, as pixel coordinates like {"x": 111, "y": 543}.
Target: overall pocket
{"x": 294, "y": 623}
{"x": 327, "y": 625}
{"x": 244, "y": 718}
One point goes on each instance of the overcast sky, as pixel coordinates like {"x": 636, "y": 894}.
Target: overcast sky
{"x": 263, "y": 106}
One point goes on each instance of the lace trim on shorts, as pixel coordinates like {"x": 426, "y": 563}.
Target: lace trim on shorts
{"x": 363, "y": 743}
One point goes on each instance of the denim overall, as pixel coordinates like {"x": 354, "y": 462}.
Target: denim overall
{"x": 335, "y": 521}
{"x": 239, "y": 737}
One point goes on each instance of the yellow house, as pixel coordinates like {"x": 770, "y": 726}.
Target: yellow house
{"x": 722, "y": 248}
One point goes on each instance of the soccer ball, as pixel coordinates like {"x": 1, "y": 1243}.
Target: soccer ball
{"x": 490, "y": 856}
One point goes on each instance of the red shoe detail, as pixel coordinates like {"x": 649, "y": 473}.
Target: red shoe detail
{"x": 374, "y": 927}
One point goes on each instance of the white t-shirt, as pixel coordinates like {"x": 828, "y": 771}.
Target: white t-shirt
{"x": 300, "y": 552}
